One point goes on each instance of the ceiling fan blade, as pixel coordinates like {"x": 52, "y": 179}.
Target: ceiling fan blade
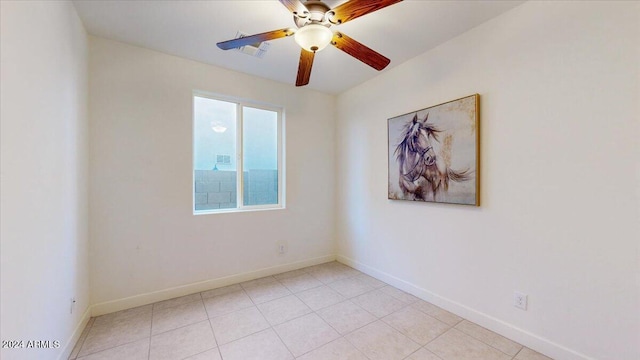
{"x": 359, "y": 51}
{"x": 355, "y": 8}
{"x": 257, "y": 38}
{"x": 304, "y": 68}
{"x": 295, "y": 6}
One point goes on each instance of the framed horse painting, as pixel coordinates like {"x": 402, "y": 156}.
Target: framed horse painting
{"x": 434, "y": 153}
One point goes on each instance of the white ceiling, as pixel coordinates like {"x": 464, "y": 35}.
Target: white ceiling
{"x": 191, "y": 29}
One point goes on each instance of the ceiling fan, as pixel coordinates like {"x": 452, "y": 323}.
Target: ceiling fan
{"x": 313, "y": 19}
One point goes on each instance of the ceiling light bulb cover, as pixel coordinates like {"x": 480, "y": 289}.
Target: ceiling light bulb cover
{"x": 217, "y": 127}
{"x": 313, "y": 37}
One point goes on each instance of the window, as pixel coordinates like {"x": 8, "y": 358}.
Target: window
{"x": 237, "y": 155}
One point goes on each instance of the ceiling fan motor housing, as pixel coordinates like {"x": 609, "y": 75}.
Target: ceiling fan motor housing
{"x": 316, "y": 14}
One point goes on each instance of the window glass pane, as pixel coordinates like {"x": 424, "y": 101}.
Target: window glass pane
{"x": 214, "y": 154}
{"x": 260, "y": 156}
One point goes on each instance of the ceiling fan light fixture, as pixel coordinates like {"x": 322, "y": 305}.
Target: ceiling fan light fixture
{"x": 218, "y": 127}
{"x": 313, "y": 37}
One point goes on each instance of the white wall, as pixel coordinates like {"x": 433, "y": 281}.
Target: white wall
{"x": 560, "y": 184}
{"x": 44, "y": 175}
{"x": 144, "y": 236}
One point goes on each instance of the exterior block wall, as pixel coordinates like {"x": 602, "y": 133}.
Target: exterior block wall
{"x": 216, "y": 189}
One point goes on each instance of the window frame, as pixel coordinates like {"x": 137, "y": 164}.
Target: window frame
{"x": 241, "y": 103}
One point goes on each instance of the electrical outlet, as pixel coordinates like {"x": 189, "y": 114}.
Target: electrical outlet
{"x": 520, "y": 300}
{"x": 281, "y": 247}
{"x": 72, "y": 305}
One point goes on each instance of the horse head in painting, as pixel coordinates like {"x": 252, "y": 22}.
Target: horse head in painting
{"x": 423, "y": 175}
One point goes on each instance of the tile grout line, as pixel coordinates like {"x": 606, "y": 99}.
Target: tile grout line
{"x": 110, "y": 348}
{"x": 343, "y": 336}
{"x": 292, "y": 292}
{"x": 119, "y": 345}
{"x": 407, "y": 335}
{"x": 211, "y": 326}
{"x": 360, "y": 327}
{"x": 243, "y": 337}
{"x": 83, "y": 338}
{"x": 519, "y": 351}
{"x": 272, "y": 328}
{"x": 437, "y": 337}
{"x": 465, "y": 333}
{"x": 340, "y": 336}
{"x": 315, "y": 312}
{"x": 150, "y": 332}
{"x": 408, "y": 356}
{"x": 425, "y": 349}
{"x": 486, "y": 343}
{"x": 354, "y": 346}
{"x": 179, "y": 327}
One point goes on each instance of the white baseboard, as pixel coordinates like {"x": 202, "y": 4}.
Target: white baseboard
{"x": 530, "y": 340}
{"x": 68, "y": 347}
{"x": 152, "y": 297}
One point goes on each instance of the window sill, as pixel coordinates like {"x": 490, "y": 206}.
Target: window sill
{"x": 242, "y": 210}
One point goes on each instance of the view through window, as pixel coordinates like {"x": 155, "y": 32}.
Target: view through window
{"x": 237, "y": 155}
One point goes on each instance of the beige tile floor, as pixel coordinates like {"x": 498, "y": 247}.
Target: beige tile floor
{"x": 323, "y": 312}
